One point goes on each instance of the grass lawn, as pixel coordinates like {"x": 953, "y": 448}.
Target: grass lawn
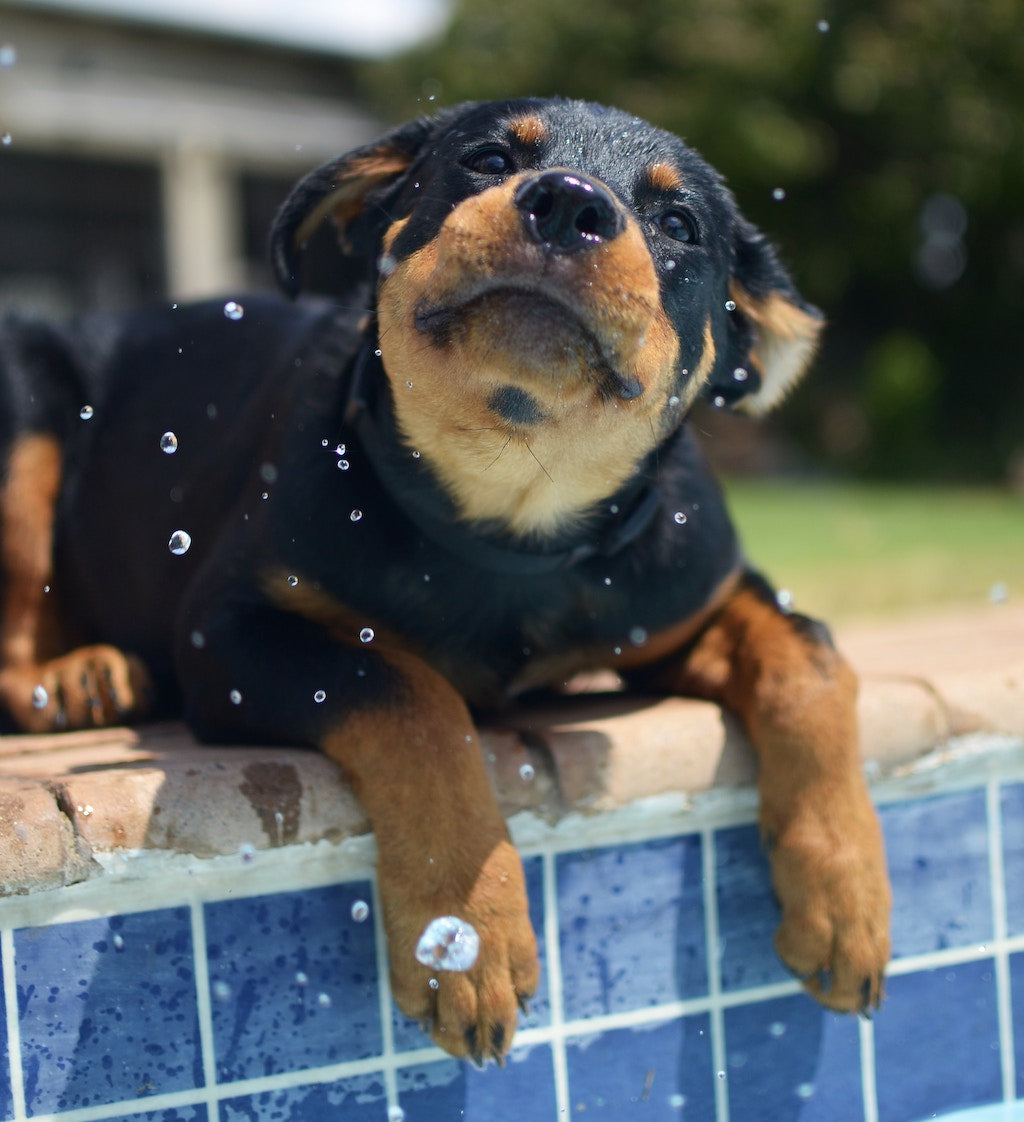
{"x": 862, "y": 550}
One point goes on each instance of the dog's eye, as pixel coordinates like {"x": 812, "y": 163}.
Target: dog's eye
{"x": 677, "y": 225}
{"x": 489, "y": 161}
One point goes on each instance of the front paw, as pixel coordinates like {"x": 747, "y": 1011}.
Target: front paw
{"x": 469, "y": 1001}
{"x": 829, "y": 872}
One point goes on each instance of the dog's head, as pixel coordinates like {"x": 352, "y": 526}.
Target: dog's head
{"x": 555, "y": 284}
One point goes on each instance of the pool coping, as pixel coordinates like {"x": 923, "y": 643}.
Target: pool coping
{"x": 76, "y": 807}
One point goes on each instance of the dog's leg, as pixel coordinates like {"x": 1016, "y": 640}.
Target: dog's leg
{"x": 95, "y": 685}
{"x": 407, "y": 745}
{"x": 796, "y": 696}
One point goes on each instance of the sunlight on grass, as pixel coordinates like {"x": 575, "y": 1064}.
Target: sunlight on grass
{"x": 871, "y": 550}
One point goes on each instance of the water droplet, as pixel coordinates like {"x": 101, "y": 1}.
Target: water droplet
{"x": 339, "y": 449}
{"x": 434, "y": 984}
{"x": 805, "y": 1090}
{"x": 233, "y": 310}
{"x": 247, "y": 853}
{"x": 211, "y": 411}
{"x": 86, "y": 412}
{"x": 740, "y": 374}
{"x": 8, "y": 55}
{"x": 323, "y": 1000}
{"x": 527, "y": 773}
{"x": 718, "y": 401}
{"x": 779, "y": 194}
{"x": 396, "y": 1114}
{"x": 301, "y": 978}
{"x": 776, "y": 1029}
{"x": 676, "y": 1101}
{"x": 730, "y": 305}
{"x": 118, "y": 942}
{"x": 356, "y": 515}
{"x": 387, "y": 264}
{"x": 198, "y": 640}
{"x": 221, "y": 990}
{"x": 415, "y": 455}
{"x": 6, "y": 139}
{"x": 670, "y": 264}
{"x": 637, "y": 636}
{"x": 179, "y": 542}
{"x": 408, "y": 385}
{"x": 319, "y": 697}
{"x": 40, "y": 698}
{"x": 360, "y": 911}
{"x": 679, "y": 518}
{"x": 264, "y": 495}
{"x": 448, "y": 943}
{"x": 999, "y": 593}
{"x": 293, "y": 580}
{"x": 608, "y": 582}
{"x": 784, "y": 598}
{"x": 673, "y": 400}
{"x": 343, "y": 465}
{"x": 366, "y": 635}
{"x": 169, "y": 443}
{"x": 268, "y": 473}
{"x": 721, "y": 1075}
{"x": 824, "y": 26}
{"x": 236, "y": 697}
{"x": 378, "y": 352}
{"x": 324, "y": 442}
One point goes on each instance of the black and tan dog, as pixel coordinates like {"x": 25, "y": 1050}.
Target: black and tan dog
{"x": 479, "y": 482}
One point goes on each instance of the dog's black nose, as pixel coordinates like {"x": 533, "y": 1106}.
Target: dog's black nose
{"x": 568, "y": 211}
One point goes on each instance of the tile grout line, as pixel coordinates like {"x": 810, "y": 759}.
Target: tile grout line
{"x": 387, "y": 1028}
{"x": 716, "y": 1017}
{"x": 997, "y": 874}
{"x": 204, "y": 1009}
{"x": 559, "y": 1059}
{"x": 17, "y": 1074}
{"x": 868, "y": 1076}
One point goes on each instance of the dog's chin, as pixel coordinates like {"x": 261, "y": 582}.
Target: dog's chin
{"x": 530, "y": 336}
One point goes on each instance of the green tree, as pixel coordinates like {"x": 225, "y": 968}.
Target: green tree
{"x": 879, "y": 142}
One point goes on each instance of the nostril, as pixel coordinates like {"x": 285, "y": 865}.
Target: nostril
{"x": 565, "y": 211}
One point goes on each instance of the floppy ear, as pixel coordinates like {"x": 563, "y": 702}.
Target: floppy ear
{"x": 773, "y": 331}
{"x": 345, "y": 189}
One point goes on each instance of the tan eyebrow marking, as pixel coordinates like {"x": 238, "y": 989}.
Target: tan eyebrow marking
{"x": 528, "y": 130}
{"x": 664, "y": 177}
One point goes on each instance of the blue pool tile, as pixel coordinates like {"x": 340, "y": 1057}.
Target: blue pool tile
{"x": 789, "y": 1059}
{"x": 631, "y": 921}
{"x": 523, "y": 1089}
{"x": 407, "y": 1034}
{"x": 107, "y": 1009}
{"x": 747, "y": 911}
{"x": 174, "y": 1114}
{"x": 1013, "y": 855}
{"x": 358, "y": 1099}
{"x": 941, "y": 892}
{"x": 660, "y": 1073}
{"x": 6, "y": 1103}
{"x": 1017, "y": 1012}
{"x": 937, "y": 1042}
{"x": 293, "y": 981}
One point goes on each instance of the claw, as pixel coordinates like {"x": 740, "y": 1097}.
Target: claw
{"x": 524, "y": 1004}
{"x": 498, "y": 1043}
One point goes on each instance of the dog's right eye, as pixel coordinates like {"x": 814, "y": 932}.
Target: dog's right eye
{"x": 489, "y": 161}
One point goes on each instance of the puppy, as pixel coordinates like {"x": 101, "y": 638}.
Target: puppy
{"x": 348, "y": 525}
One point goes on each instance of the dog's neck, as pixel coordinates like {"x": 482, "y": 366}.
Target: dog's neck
{"x": 411, "y": 484}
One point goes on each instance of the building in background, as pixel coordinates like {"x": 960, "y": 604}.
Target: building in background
{"x": 144, "y": 151}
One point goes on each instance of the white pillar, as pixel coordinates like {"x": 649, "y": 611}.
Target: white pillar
{"x": 202, "y": 224}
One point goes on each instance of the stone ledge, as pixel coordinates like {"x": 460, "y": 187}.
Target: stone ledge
{"x": 68, "y": 800}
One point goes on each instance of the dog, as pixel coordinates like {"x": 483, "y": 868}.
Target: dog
{"x": 352, "y": 524}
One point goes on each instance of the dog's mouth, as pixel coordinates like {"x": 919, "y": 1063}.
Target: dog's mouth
{"x": 535, "y": 335}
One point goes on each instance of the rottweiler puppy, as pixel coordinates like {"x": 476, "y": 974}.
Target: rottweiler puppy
{"x": 350, "y": 525}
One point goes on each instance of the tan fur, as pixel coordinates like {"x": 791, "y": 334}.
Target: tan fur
{"x": 787, "y": 340}
{"x": 529, "y": 131}
{"x": 556, "y": 327}
{"x": 664, "y": 177}
{"x": 796, "y": 698}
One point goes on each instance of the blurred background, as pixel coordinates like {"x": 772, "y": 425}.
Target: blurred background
{"x": 146, "y": 143}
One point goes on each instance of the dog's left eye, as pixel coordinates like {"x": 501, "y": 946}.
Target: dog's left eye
{"x": 489, "y": 161}
{"x": 677, "y": 225}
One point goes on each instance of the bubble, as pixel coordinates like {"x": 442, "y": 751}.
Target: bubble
{"x": 434, "y": 984}
{"x": 366, "y": 635}
{"x": 360, "y": 911}
{"x": 8, "y": 55}
{"x": 730, "y": 305}
{"x": 396, "y": 1114}
{"x": 340, "y": 449}
{"x": 718, "y": 401}
{"x": 378, "y": 352}
{"x": 86, "y": 412}
{"x": 221, "y": 990}
{"x": 779, "y": 194}
{"x": 293, "y": 580}
{"x": 356, "y": 515}
{"x": 721, "y": 1075}
{"x": 343, "y": 465}
{"x": 323, "y": 1000}
{"x": 320, "y": 697}
{"x": 179, "y": 542}
{"x": 740, "y": 374}
{"x": 448, "y": 943}
{"x": 235, "y": 697}
{"x": 301, "y": 978}
{"x": 415, "y": 455}
{"x": 40, "y": 698}
{"x": 784, "y": 598}
{"x": 679, "y": 518}
{"x": 527, "y": 773}
{"x": 233, "y": 310}
{"x": 324, "y": 442}
{"x": 169, "y": 443}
